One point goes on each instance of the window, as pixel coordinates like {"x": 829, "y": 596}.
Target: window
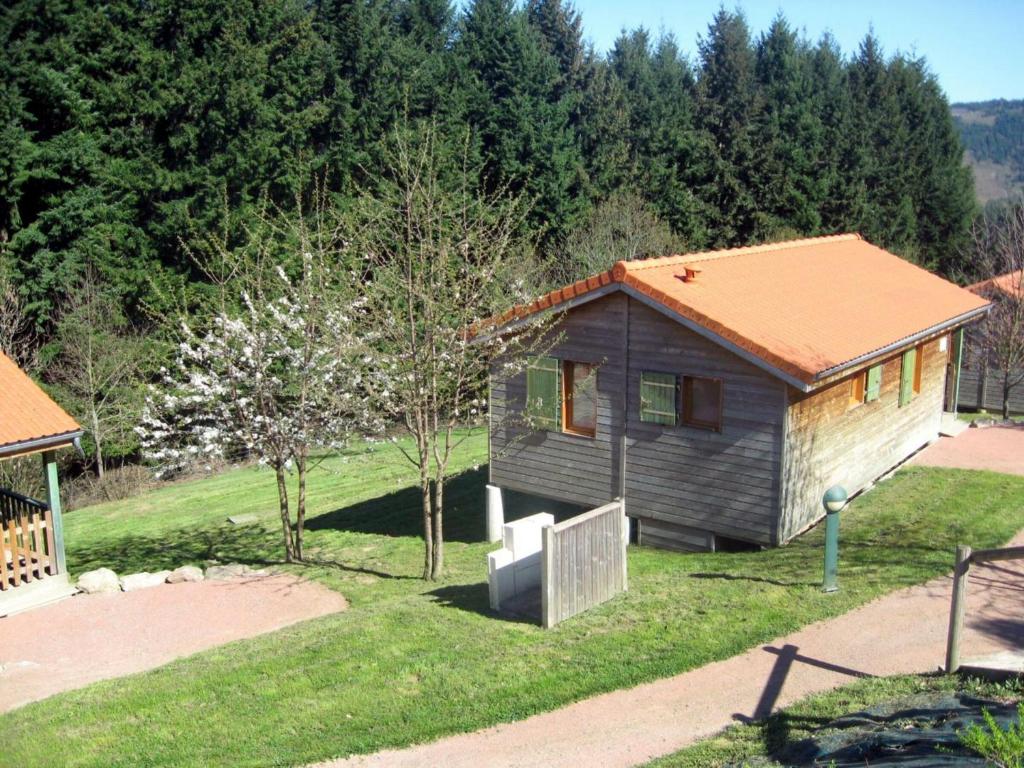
{"x": 858, "y": 385}
{"x": 702, "y": 402}
{"x": 874, "y": 383}
{"x": 542, "y": 401}
{"x": 579, "y": 398}
{"x": 908, "y": 377}
{"x": 658, "y": 398}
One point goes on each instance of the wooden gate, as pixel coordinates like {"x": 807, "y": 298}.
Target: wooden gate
{"x": 26, "y": 540}
{"x": 583, "y": 562}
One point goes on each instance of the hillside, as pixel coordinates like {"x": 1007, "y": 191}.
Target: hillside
{"x": 993, "y": 134}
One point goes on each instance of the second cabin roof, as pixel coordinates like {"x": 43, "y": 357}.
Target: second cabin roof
{"x": 806, "y": 309}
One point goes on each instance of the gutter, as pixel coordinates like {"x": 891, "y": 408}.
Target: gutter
{"x": 41, "y": 443}
{"x": 906, "y": 341}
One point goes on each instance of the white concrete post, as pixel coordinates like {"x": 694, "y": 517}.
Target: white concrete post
{"x": 495, "y": 513}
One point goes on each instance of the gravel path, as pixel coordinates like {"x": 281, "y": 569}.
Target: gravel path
{"x": 94, "y": 637}
{"x": 1000, "y": 449}
{"x": 904, "y": 632}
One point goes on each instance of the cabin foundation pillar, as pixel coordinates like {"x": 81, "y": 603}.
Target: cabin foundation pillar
{"x": 53, "y": 499}
{"x": 495, "y": 513}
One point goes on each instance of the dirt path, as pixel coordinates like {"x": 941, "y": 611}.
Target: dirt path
{"x": 94, "y": 637}
{"x": 1000, "y": 449}
{"x": 904, "y": 632}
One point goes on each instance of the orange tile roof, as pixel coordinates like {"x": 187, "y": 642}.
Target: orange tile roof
{"x": 804, "y": 307}
{"x": 26, "y": 412}
{"x": 1010, "y": 283}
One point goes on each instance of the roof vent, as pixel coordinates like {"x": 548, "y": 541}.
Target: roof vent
{"x": 691, "y": 275}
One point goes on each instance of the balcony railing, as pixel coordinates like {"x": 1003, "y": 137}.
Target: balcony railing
{"x": 27, "y": 549}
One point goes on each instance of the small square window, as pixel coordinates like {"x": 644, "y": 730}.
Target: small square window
{"x": 702, "y": 402}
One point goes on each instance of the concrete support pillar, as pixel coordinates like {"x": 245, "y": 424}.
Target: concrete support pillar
{"x": 53, "y": 499}
{"x": 495, "y": 513}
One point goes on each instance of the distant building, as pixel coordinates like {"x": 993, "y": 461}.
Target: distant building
{"x": 980, "y": 382}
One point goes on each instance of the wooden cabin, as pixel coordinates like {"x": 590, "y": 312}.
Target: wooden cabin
{"x": 720, "y": 394}
{"x": 978, "y": 381}
{"x": 32, "y": 567}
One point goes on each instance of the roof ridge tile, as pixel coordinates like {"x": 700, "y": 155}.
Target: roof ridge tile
{"x": 744, "y": 250}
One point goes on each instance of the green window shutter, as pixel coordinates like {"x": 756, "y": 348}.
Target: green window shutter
{"x": 658, "y": 400}
{"x": 543, "y": 404}
{"x": 874, "y": 386}
{"x": 907, "y": 376}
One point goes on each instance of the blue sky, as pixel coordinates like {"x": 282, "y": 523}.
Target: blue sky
{"x": 975, "y": 47}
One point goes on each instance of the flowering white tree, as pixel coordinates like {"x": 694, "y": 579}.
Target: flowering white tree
{"x": 440, "y": 259}
{"x": 277, "y": 375}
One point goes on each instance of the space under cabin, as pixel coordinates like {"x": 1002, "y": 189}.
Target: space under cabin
{"x": 720, "y": 394}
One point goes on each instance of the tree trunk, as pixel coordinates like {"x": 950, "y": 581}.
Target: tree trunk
{"x": 98, "y": 443}
{"x": 286, "y": 522}
{"x": 1006, "y": 397}
{"x": 428, "y": 528}
{"x": 438, "y": 566}
{"x": 300, "y": 508}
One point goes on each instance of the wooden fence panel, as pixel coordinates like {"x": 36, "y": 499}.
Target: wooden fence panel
{"x": 583, "y": 562}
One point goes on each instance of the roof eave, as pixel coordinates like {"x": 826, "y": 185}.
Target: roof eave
{"x": 907, "y": 341}
{"x": 22, "y": 447}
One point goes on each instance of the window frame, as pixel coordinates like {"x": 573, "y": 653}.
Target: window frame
{"x": 918, "y": 368}
{"x": 858, "y": 389}
{"x": 686, "y": 417}
{"x": 568, "y": 384}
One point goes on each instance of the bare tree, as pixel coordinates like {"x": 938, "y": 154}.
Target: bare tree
{"x": 622, "y": 228}
{"x": 276, "y": 371}
{"x": 18, "y": 339}
{"x": 999, "y": 258}
{"x": 98, "y": 367}
{"x": 440, "y": 258}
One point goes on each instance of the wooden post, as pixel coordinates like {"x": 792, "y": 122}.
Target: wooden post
{"x": 547, "y": 576}
{"x": 625, "y": 546}
{"x": 956, "y": 610}
{"x": 53, "y": 499}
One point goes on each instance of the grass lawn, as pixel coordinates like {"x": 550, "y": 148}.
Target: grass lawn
{"x": 757, "y": 742}
{"x": 413, "y": 661}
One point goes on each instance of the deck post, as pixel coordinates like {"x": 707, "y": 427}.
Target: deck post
{"x": 956, "y": 610}
{"x": 53, "y": 499}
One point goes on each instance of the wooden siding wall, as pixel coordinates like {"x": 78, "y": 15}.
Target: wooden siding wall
{"x": 683, "y": 484}
{"x": 583, "y": 562}
{"x": 981, "y": 389}
{"x": 828, "y": 442}
{"x": 555, "y": 465}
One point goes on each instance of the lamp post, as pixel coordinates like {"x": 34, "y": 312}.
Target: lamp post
{"x": 833, "y": 500}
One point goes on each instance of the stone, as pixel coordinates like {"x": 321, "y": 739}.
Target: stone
{"x": 98, "y": 581}
{"x": 229, "y": 571}
{"x": 185, "y": 573}
{"x": 143, "y": 580}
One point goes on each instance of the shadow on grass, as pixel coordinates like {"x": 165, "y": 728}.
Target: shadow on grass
{"x": 395, "y": 514}
{"x": 400, "y": 513}
{"x": 475, "y": 598}
{"x": 252, "y": 545}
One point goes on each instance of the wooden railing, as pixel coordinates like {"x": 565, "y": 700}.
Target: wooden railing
{"x": 583, "y": 562}
{"x": 26, "y": 540}
{"x": 965, "y": 558}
